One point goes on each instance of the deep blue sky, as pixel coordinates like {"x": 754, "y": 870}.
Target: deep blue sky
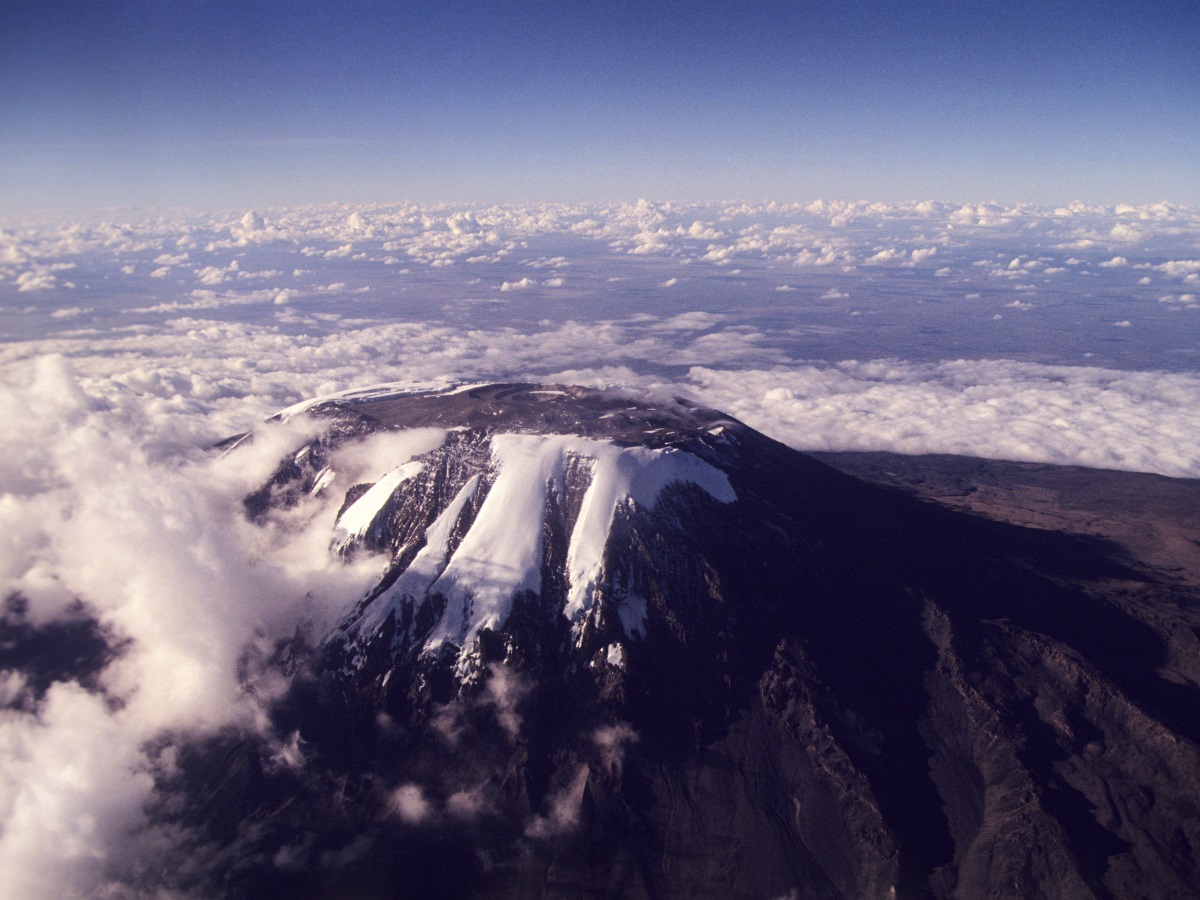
{"x": 213, "y": 103}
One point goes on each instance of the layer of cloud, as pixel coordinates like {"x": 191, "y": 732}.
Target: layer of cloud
{"x": 809, "y": 234}
{"x": 1139, "y": 421}
{"x": 200, "y": 381}
{"x": 113, "y": 504}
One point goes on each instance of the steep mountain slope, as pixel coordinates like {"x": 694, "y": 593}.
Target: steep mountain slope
{"x": 633, "y": 648}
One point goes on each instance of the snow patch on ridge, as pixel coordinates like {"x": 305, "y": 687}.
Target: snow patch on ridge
{"x": 638, "y": 474}
{"x": 631, "y": 610}
{"x": 323, "y": 480}
{"x": 426, "y": 567}
{"x": 354, "y": 522}
{"x": 615, "y": 656}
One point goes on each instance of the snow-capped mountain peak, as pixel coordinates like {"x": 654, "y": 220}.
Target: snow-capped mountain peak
{"x": 519, "y": 498}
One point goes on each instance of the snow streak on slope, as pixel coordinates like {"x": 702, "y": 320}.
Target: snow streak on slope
{"x": 501, "y": 554}
{"x": 425, "y": 568}
{"x": 355, "y": 521}
{"x": 638, "y": 474}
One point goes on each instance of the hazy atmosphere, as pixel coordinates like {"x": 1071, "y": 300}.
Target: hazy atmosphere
{"x": 215, "y": 103}
{"x": 927, "y": 228}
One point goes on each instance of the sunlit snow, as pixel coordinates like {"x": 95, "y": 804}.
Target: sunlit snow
{"x": 501, "y": 553}
{"x": 359, "y": 516}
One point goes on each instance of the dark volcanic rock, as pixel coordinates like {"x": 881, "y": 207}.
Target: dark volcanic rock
{"x": 813, "y": 686}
